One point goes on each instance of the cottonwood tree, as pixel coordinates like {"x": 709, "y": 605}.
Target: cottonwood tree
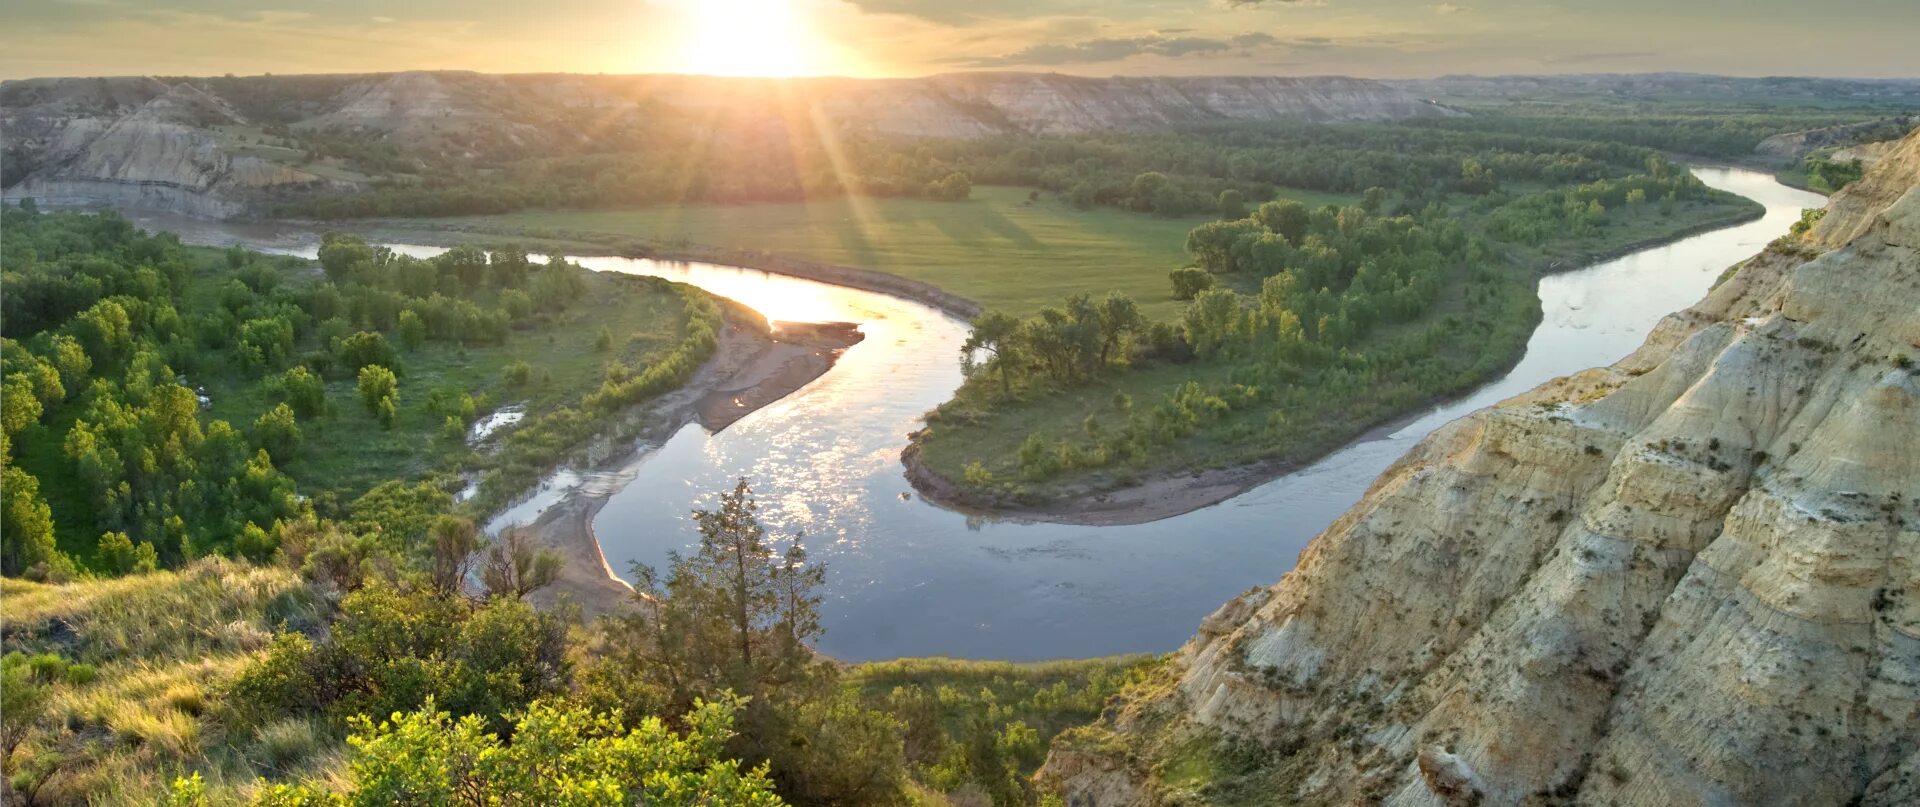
{"x": 996, "y": 334}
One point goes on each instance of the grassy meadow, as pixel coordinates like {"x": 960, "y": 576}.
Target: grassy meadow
{"x": 1000, "y": 248}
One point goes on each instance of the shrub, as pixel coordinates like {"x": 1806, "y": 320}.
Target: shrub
{"x": 1189, "y": 282}
{"x": 518, "y": 373}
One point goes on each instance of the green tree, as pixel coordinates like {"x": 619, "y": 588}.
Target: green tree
{"x": 1209, "y": 320}
{"x": 1232, "y": 204}
{"x": 1373, "y": 200}
{"x": 952, "y": 187}
{"x": 119, "y": 555}
{"x": 277, "y": 431}
{"x": 378, "y": 387}
{"x": 413, "y": 330}
{"x": 1286, "y": 217}
{"x": 25, "y": 520}
{"x": 366, "y": 348}
{"x": 305, "y": 392}
{"x": 1189, "y": 282}
{"x": 465, "y": 263}
{"x": 343, "y": 257}
{"x": 995, "y": 334}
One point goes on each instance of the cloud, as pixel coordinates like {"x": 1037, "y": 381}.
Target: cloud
{"x": 1113, "y": 49}
{"x": 1448, "y": 8}
{"x": 1602, "y": 56}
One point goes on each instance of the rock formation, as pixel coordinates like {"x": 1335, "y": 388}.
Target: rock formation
{"x": 1692, "y": 577}
{"x": 134, "y": 143}
{"x": 196, "y": 146}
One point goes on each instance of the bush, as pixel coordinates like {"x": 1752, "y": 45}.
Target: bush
{"x": 1189, "y": 282}
{"x": 518, "y": 373}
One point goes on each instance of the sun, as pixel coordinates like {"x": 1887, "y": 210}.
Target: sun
{"x": 747, "y": 38}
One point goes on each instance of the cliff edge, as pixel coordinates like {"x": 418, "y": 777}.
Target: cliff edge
{"x": 1687, "y": 578}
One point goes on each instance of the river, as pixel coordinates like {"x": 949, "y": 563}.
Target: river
{"x": 907, "y": 578}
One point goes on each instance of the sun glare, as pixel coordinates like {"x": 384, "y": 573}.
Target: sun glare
{"x": 747, "y": 38}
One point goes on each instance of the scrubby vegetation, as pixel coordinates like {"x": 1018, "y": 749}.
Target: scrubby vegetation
{"x": 1309, "y": 326}
{"x": 354, "y": 668}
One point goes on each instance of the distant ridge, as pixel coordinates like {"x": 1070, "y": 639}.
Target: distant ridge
{"x": 197, "y": 145}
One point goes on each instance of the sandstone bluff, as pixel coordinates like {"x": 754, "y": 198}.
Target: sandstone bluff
{"x": 1687, "y": 578}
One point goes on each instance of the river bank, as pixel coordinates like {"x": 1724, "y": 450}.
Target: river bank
{"x": 1161, "y": 494}
{"x": 751, "y": 367}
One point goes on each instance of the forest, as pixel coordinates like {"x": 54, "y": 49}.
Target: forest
{"x": 165, "y": 402}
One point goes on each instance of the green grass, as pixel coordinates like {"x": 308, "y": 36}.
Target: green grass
{"x": 162, "y": 646}
{"x": 997, "y": 249}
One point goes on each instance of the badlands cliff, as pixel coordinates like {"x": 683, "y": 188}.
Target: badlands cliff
{"x": 1692, "y": 577}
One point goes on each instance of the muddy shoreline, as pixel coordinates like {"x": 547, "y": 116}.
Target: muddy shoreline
{"x": 751, "y": 367}
{"x": 1166, "y": 494}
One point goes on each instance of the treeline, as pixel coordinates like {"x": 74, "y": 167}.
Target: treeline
{"x": 739, "y": 167}
{"x": 1708, "y": 132}
{"x": 1197, "y": 165}
{"x": 1175, "y": 173}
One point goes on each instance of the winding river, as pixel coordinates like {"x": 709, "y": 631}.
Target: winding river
{"x": 906, "y": 578}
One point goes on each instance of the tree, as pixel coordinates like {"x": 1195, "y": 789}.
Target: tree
{"x": 378, "y": 387}
{"x": 1190, "y": 281}
{"x": 119, "y": 555}
{"x": 1285, "y": 217}
{"x": 465, "y": 263}
{"x": 304, "y": 392}
{"x": 1373, "y": 200}
{"x": 1144, "y": 187}
{"x": 455, "y": 543}
{"x": 1232, "y": 204}
{"x": 278, "y": 432}
{"x": 996, "y": 334}
{"x": 1120, "y": 320}
{"x": 25, "y": 520}
{"x": 515, "y": 567}
{"x": 366, "y": 348}
{"x": 1211, "y": 244}
{"x": 413, "y": 330}
{"x": 1209, "y": 320}
{"x": 343, "y": 257}
{"x": 952, "y": 187}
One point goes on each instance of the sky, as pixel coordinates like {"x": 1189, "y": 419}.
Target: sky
{"x": 879, "y": 38}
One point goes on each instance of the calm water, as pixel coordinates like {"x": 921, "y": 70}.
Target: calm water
{"x": 907, "y": 578}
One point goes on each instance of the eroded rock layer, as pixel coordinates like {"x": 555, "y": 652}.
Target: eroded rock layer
{"x": 1688, "y": 578}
